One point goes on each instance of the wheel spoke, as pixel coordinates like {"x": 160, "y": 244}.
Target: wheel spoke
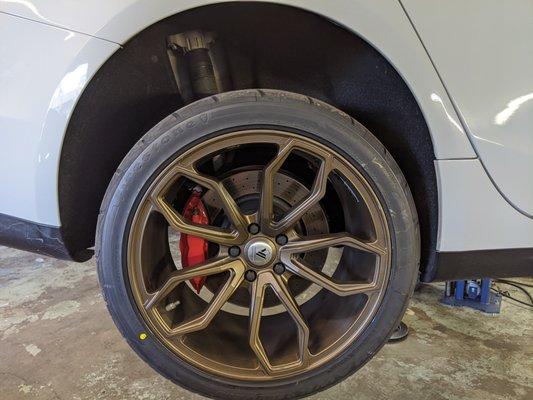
{"x": 210, "y": 233}
{"x": 318, "y": 242}
{"x": 230, "y": 206}
{"x": 256, "y": 307}
{"x": 267, "y": 189}
{"x": 340, "y": 289}
{"x": 324, "y": 241}
{"x": 282, "y": 291}
{"x": 180, "y": 224}
{"x": 201, "y": 321}
{"x": 317, "y": 192}
{"x": 205, "y": 269}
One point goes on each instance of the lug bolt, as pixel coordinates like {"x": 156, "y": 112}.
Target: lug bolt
{"x": 279, "y": 268}
{"x": 250, "y": 275}
{"x": 234, "y": 251}
{"x": 253, "y": 228}
{"x": 282, "y": 240}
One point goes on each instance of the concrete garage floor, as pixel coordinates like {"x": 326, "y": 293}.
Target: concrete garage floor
{"x": 58, "y": 342}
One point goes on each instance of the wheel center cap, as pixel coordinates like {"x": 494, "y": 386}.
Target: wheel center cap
{"x": 260, "y": 252}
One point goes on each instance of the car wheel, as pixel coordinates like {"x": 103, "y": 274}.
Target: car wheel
{"x": 257, "y": 244}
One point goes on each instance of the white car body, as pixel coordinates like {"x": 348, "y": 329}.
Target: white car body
{"x": 470, "y": 75}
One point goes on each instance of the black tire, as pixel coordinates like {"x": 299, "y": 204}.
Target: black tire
{"x": 198, "y": 121}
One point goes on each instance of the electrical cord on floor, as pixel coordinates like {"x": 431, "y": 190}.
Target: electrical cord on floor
{"x": 518, "y": 285}
{"x": 514, "y": 282}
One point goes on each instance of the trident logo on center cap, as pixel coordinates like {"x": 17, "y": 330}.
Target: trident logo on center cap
{"x": 262, "y": 253}
{"x": 259, "y": 253}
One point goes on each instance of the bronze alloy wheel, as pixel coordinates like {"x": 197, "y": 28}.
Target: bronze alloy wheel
{"x": 257, "y": 243}
{"x": 196, "y": 330}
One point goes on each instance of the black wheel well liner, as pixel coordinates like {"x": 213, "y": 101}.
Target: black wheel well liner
{"x": 265, "y": 48}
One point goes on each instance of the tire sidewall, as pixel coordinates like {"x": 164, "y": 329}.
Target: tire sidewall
{"x": 212, "y": 117}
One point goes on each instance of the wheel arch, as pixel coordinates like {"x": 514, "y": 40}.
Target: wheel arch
{"x": 134, "y": 89}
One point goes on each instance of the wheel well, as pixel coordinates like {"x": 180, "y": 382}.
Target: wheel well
{"x": 264, "y": 48}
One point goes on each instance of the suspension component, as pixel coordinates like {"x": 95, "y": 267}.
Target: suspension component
{"x": 194, "y": 249}
{"x": 198, "y": 64}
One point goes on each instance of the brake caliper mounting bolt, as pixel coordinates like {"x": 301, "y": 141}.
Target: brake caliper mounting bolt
{"x": 250, "y": 275}
{"x": 253, "y": 228}
{"x": 282, "y": 240}
{"x": 279, "y": 268}
{"x": 234, "y": 251}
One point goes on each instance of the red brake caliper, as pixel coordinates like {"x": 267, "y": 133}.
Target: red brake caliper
{"x": 194, "y": 249}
